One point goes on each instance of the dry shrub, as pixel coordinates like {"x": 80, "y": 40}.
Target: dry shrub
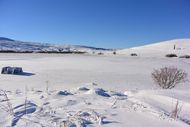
{"x": 177, "y": 110}
{"x": 185, "y": 56}
{"x": 168, "y": 77}
{"x": 8, "y": 106}
{"x": 171, "y": 55}
{"x": 133, "y": 54}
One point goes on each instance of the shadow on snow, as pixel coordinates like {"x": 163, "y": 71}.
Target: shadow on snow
{"x": 22, "y": 110}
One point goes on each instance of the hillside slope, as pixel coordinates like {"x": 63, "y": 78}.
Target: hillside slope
{"x": 178, "y": 46}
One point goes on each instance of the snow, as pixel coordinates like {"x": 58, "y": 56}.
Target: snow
{"x": 160, "y": 48}
{"x": 72, "y": 71}
{"x": 94, "y": 90}
{"x": 145, "y": 107}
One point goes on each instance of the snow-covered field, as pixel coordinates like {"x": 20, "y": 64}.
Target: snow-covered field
{"x": 161, "y": 48}
{"x": 60, "y": 90}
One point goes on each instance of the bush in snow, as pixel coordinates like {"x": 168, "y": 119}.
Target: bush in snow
{"x": 168, "y": 77}
{"x": 185, "y": 56}
{"x": 100, "y": 53}
{"x": 133, "y": 54}
{"x": 171, "y": 55}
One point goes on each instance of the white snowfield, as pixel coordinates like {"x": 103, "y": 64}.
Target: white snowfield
{"x": 160, "y": 48}
{"x": 59, "y": 90}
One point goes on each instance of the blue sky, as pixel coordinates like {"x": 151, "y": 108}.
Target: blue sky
{"x": 100, "y": 23}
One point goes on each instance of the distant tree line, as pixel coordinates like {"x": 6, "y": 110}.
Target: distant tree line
{"x": 57, "y": 52}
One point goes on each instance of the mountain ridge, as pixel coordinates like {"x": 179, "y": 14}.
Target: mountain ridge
{"x": 10, "y": 45}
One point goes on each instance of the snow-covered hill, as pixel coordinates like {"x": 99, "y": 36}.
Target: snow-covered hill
{"x": 178, "y": 46}
{"x": 10, "y": 45}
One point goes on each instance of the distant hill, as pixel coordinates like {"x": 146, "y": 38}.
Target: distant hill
{"x": 177, "y": 46}
{"x": 14, "y": 46}
{"x": 5, "y": 39}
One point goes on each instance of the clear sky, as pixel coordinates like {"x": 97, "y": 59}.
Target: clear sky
{"x": 100, "y": 23}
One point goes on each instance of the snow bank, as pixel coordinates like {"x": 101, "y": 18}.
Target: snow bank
{"x": 94, "y": 107}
